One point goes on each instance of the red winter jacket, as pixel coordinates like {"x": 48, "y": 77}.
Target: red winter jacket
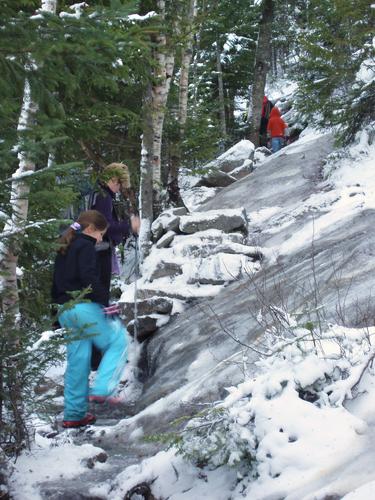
{"x": 276, "y": 125}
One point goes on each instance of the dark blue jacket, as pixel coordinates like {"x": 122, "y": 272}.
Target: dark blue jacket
{"x": 77, "y": 270}
{"x": 103, "y": 203}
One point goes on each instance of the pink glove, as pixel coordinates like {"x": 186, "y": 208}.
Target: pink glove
{"x": 112, "y": 310}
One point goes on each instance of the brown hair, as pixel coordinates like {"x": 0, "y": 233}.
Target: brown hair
{"x": 86, "y": 218}
{"x": 119, "y": 171}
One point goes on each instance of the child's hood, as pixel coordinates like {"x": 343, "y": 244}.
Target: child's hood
{"x": 275, "y": 112}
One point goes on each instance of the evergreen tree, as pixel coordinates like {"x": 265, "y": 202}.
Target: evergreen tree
{"x": 338, "y": 49}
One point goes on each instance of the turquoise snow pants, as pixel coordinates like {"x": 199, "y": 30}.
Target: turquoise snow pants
{"x": 87, "y": 325}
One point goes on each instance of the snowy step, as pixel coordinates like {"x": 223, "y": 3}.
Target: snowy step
{"x": 152, "y": 305}
{"x": 167, "y": 221}
{"x": 203, "y": 243}
{"x": 225, "y": 220}
{"x": 236, "y": 248}
{"x": 166, "y": 240}
{"x": 164, "y": 269}
{"x": 222, "y": 268}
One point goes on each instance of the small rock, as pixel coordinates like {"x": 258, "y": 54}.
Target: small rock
{"x": 147, "y": 326}
{"x": 164, "y": 269}
{"x": 90, "y": 462}
{"x": 235, "y": 156}
{"x": 152, "y": 305}
{"x": 216, "y": 178}
{"x": 227, "y": 220}
{"x": 166, "y": 240}
{"x": 167, "y": 221}
{"x": 242, "y": 171}
{"x": 179, "y": 211}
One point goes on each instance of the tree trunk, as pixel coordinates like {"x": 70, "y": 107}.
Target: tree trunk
{"x": 186, "y": 57}
{"x": 146, "y": 184}
{"x": 262, "y": 65}
{"x": 154, "y": 110}
{"x": 9, "y": 251}
{"x": 163, "y": 72}
{"x": 223, "y": 125}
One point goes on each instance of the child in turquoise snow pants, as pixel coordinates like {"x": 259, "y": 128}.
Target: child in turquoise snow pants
{"x": 88, "y": 325}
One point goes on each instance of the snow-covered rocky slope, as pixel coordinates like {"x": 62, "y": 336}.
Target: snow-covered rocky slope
{"x": 272, "y": 336}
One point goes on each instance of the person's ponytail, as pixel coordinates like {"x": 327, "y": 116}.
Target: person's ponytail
{"x": 93, "y": 217}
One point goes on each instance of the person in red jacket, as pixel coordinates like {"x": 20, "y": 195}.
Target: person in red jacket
{"x": 276, "y": 128}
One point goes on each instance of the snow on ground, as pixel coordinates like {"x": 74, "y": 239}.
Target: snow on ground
{"x": 300, "y": 448}
{"x": 282, "y": 434}
{"x": 305, "y": 449}
{"x": 49, "y": 460}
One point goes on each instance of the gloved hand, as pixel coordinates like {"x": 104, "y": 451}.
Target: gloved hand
{"x": 112, "y": 310}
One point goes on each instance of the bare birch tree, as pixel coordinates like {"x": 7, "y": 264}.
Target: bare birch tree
{"x": 164, "y": 56}
{"x": 10, "y": 248}
{"x": 154, "y": 110}
{"x": 186, "y": 58}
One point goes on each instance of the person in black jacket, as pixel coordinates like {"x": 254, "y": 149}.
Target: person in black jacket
{"x": 86, "y": 321}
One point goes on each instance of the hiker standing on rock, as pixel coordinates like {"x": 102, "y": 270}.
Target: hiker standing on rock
{"x": 87, "y": 323}
{"x": 113, "y": 179}
{"x": 276, "y": 128}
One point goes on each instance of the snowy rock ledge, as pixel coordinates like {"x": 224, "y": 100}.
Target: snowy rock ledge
{"x": 224, "y": 220}
{"x": 234, "y": 164}
{"x": 193, "y": 257}
{"x": 234, "y": 157}
{"x": 167, "y": 221}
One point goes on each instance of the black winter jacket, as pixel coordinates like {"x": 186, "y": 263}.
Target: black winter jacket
{"x": 77, "y": 270}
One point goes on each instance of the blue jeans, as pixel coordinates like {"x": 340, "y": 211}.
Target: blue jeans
{"x": 277, "y": 143}
{"x": 87, "y": 325}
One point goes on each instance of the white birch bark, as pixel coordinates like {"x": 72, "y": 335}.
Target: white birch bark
{"x": 146, "y": 180}
{"x": 9, "y": 250}
{"x": 163, "y": 76}
{"x": 19, "y": 200}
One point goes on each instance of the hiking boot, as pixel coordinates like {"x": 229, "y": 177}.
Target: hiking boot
{"x": 111, "y": 400}
{"x": 88, "y": 419}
